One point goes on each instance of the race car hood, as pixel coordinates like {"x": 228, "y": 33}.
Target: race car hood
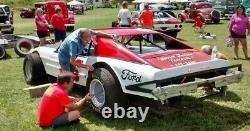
{"x": 175, "y": 58}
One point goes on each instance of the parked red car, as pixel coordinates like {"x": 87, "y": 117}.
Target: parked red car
{"x": 49, "y": 10}
{"x": 27, "y": 12}
{"x": 30, "y": 12}
{"x": 203, "y": 9}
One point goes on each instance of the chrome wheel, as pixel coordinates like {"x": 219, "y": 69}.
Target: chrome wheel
{"x": 97, "y": 92}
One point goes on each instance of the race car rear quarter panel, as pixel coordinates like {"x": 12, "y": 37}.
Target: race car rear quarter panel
{"x": 128, "y": 73}
{"x": 191, "y": 68}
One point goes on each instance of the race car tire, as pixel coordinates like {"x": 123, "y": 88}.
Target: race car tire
{"x": 33, "y": 69}
{"x": 23, "y": 44}
{"x": 2, "y": 52}
{"x": 106, "y": 90}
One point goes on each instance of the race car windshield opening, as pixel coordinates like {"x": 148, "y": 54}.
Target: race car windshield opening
{"x": 142, "y": 44}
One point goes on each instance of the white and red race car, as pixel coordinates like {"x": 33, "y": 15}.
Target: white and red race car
{"x": 162, "y": 69}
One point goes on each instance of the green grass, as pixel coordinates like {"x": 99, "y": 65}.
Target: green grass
{"x": 18, "y": 110}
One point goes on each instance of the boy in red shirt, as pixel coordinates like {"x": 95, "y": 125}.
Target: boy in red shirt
{"x": 58, "y": 23}
{"x": 55, "y": 108}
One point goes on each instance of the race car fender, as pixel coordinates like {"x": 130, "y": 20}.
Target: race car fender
{"x": 128, "y": 73}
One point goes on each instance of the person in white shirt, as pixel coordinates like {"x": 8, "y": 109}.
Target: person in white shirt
{"x": 124, "y": 15}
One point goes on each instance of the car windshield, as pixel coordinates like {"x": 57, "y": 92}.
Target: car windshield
{"x": 1, "y": 11}
{"x": 205, "y": 6}
{"x": 159, "y": 8}
{"x": 7, "y": 9}
{"x": 161, "y": 15}
{"x": 143, "y": 44}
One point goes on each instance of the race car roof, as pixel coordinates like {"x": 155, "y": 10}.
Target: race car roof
{"x": 127, "y": 31}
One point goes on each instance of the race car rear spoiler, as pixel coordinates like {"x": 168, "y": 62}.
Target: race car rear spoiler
{"x": 233, "y": 75}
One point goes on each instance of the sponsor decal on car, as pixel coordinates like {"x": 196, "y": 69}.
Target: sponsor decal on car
{"x": 131, "y": 76}
{"x": 179, "y": 59}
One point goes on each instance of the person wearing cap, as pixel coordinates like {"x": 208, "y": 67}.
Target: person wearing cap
{"x": 41, "y": 26}
{"x": 58, "y": 23}
{"x": 73, "y": 46}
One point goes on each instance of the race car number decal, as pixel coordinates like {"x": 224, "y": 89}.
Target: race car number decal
{"x": 129, "y": 75}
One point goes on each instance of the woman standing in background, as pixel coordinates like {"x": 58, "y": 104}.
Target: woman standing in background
{"x": 41, "y": 26}
{"x": 238, "y": 28}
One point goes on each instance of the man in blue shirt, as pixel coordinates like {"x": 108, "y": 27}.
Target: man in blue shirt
{"x": 73, "y": 45}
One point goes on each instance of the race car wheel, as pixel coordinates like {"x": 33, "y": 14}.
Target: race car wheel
{"x": 23, "y": 47}
{"x": 105, "y": 90}
{"x": 34, "y": 72}
{"x": 2, "y": 52}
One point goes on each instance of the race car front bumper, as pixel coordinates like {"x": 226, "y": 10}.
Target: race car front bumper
{"x": 163, "y": 93}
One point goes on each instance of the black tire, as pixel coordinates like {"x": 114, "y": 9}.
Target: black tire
{"x": 70, "y": 28}
{"x": 2, "y": 52}
{"x": 23, "y": 44}
{"x": 33, "y": 69}
{"x": 173, "y": 34}
{"x": 112, "y": 89}
{"x": 216, "y": 21}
